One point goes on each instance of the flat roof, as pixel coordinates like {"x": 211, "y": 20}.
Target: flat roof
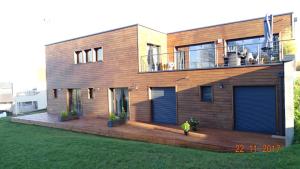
{"x": 92, "y": 34}
{"x": 289, "y": 13}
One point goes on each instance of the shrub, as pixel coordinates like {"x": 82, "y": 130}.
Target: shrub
{"x": 73, "y": 113}
{"x": 194, "y": 123}
{"x": 112, "y": 117}
{"x": 123, "y": 115}
{"x": 63, "y": 114}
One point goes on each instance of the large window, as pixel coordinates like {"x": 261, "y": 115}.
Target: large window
{"x": 202, "y": 56}
{"x": 252, "y": 49}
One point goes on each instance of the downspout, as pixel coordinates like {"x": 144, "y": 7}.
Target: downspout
{"x": 282, "y": 104}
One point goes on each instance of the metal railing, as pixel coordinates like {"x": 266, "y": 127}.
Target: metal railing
{"x": 225, "y": 56}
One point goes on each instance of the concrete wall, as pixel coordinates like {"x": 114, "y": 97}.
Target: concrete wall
{"x": 289, "y": 78}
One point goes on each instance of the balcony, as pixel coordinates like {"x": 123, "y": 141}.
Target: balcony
{"x": 209, "y": 56}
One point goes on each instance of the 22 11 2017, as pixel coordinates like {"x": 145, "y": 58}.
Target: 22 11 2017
{"x": 241, "y": 148}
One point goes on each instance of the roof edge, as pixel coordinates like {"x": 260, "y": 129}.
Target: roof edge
{"x": 111, "y": 30}
{"x": 227, "y": 23}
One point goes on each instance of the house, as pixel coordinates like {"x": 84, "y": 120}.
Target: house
{"x": 218, "y": 74}
{"x": 29, "y": 101}
{"x": 6, "y": 96}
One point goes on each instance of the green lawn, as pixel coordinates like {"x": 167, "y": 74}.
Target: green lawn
{"x": 28, "y": 146}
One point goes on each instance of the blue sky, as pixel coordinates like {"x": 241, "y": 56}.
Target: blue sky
{"x": 26, "y": 26}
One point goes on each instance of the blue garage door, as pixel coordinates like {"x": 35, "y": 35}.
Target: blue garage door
{"x": 255, "y": 109}
{"x": 164, "y": 105}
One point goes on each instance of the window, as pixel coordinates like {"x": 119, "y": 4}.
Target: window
{"x": 26, "y": 103}
{"x": 89, "y": 55}
{"x": 252, "y": 47}
{"x": 202, "y": 56}
{"x": 153, "y": 58}
{"x": 99, "y": 54}
{"x": 206, "y": 93}
{"x": 90, "y": 93}
{"x": 180, "y": 58}
{"x": 55, "y": 93}
{"x": 80, "y": 58}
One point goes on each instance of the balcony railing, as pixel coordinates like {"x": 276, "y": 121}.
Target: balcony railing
{"x": 225, "y": 56}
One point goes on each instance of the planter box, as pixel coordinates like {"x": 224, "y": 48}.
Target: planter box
{"x": 115, "y": 123}
{"x": 68, "y": 118}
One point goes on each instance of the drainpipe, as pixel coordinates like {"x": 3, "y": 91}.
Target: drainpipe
{"x": 282, "y": 105}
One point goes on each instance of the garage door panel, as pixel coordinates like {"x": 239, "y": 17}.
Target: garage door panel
{"x": 164, "y": 105}
{"x": 255, "y": 109}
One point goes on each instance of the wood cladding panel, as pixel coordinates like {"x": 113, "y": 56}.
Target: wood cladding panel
{"x": 250, "y": 28}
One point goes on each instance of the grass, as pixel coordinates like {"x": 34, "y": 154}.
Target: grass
{"x": 28, "y": 146}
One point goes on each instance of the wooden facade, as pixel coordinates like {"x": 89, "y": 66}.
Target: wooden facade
{"x": 122, "y": 50}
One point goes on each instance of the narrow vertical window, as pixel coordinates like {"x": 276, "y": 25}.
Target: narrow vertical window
{"x": 89, "y": 55}
{"x": 55, "y": 93}
{"x": 206, "y": 94}
{"x": 99, "y": 54}
{"x": 90, "y": 93}
{"x": 79, "y": 57}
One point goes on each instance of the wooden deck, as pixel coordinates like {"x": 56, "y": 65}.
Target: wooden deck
{"x": 211, "y": 139}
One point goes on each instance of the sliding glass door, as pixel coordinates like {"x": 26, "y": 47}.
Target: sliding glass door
{"x": 118, "y": 98}
{"x": 74, "y": 99}
{"x": 202, "y": 56}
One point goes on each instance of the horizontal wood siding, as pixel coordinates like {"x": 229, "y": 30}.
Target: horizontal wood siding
{"x": 282, "y": 25}
{"x": 120, "y": 69}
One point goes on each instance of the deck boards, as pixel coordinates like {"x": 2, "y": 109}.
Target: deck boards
{"x": 205, "y": 138}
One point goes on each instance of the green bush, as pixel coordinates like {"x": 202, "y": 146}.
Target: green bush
{"x": 112, "y": 117}
{"x": 73, "y": 113}
{"x": 194, "y": 123}
{"x": 63, "y": 114}
{"x": 297, "y": 110}
{"x": 123, "y": 115}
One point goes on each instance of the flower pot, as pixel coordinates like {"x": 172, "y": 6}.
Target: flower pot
{"x": 194, "y": 128}
{"x": 68, "y": 118}
{"x": 110, "y": 123}
{"x": 186, "y": 133}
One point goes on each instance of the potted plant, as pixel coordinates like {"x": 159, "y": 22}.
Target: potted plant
{"x": 113, "y": 120}
{"x": 123, "y": 116}
{"x": 63, "y": 116}
{"x": 66, "y": 116}
{"x": 194, "y": 123}
{"x": 186, "y": 127}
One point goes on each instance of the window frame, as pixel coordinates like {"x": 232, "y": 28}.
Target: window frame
{"x": 91, "y": 93}
{"x": 211, "y": 94}
{"x": 87, "y": 56}
{"x": 213, "y": 43}
{"x": 55, "y": 95}
{"x": 77, "y": 57}
{"x": 97, "y": 56}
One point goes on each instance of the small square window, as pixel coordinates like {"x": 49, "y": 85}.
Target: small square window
{"x": 55, "y": 93}
{"x": 99, "y": 54}
{"x": 89, "y": 55}
{"x": 206, "y": 93}
{"x": 90, "y": 93}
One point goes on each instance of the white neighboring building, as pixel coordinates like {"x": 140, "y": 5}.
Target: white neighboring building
{"x": 28, "y": 101}
{"x": 6, "y": 96}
